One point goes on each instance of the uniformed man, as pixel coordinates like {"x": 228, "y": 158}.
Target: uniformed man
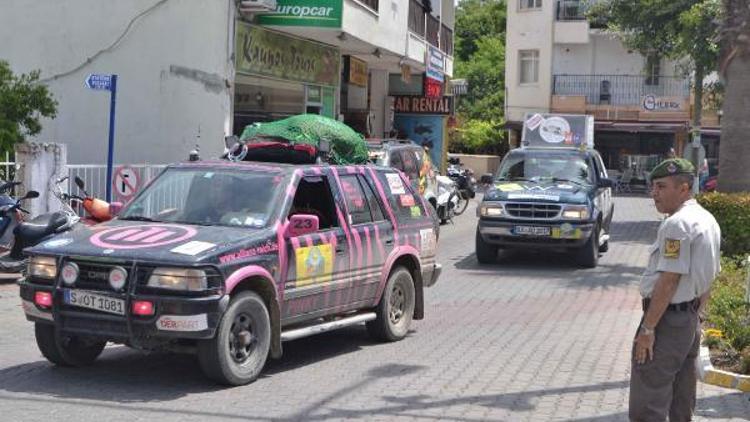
{"x": 675, "y": 286}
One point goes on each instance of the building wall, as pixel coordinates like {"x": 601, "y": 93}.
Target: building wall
{"x": 386, "y": 29}
{"x": 173, "y": 64}
{"x": 528, "y": 30}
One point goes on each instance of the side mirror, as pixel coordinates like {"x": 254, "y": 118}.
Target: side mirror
{"x": 606, "y": 183}
{"x": 79, "y": 183}
{"x": 486, "y": 179}
{"x": 115, "y": 208}
{"x": 31, "y": 194}
{"x": 229, "y": 141}
{"x": 301, "y": 224}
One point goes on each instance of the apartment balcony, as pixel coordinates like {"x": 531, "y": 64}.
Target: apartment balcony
{"x": 622, "y": 97}
{"x": 571, "y": 23}
{"x": 425, "y": 29}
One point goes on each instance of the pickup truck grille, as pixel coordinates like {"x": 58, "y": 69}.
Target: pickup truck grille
{"x": 532, "y": 211}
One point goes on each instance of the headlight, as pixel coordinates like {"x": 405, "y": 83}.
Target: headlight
{"x": 576, "y": 213}
{"x": 43, "y": 267}
{"x": 178, "y": 279}
{"x": 491, "y": 210}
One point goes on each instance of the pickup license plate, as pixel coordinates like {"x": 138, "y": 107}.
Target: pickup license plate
{"x": 532, "y": 231}
{"x": 84, "y": 299}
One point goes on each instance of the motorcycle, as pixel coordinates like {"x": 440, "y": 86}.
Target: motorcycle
{"x": 465, "y": 183}
{"x": 10, "y": 217}
{"x": 45, "y": 226}
{"x": 447, "y": 199}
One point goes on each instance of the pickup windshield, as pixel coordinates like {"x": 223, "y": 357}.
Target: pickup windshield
{"x": 546, "y": 165}
{"x": 207, "y": 197}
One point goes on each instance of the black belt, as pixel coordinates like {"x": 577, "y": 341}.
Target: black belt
{"x": 691, "y": 305}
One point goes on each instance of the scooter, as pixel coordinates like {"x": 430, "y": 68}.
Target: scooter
{"x": 447, "y": 198}
{"x": 464, "y": 181}
{"x": 10, "y": 216}
{"x": 40, "y": 228}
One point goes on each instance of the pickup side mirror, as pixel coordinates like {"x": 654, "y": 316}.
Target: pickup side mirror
{"x": 486, "y": 179}
{"x": 115, "y": 208}
{"x": 606, "y": 183}
{"x": 301, "y": 224}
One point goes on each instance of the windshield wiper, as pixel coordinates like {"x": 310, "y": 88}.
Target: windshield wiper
{"x": 561, "y": 179}
{"x": 194, "y": 223}
{"x": 140, "y": 218}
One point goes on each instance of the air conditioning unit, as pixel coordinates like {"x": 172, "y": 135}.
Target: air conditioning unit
{"x": 256, "y": 6}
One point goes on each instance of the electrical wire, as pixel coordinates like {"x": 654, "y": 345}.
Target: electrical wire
{"x": 108, "y": 48}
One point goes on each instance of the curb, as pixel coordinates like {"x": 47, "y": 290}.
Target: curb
{"x": 710, "y": 375}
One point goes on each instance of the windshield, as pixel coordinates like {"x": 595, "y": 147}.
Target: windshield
{"x": 207, "y": 197}
{"x": 546, "y": 165}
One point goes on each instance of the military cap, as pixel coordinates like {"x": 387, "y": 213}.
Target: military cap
{"x": 672, "y": 167}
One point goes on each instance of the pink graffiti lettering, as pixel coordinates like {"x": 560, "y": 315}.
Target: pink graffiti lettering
{"x": 268, "y": 247}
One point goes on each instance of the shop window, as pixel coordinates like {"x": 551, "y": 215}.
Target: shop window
{"x": 314, "y": 197}
{"x": 529, "y": 66}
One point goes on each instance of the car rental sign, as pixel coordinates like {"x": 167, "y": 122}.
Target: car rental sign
{"x": 313, "y": 13}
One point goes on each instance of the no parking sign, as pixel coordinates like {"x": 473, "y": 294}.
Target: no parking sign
{"x": 125, "y": 183}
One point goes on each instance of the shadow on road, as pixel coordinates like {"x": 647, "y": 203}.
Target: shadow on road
{"x": 125, "y": 375}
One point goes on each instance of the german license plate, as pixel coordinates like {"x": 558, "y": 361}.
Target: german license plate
{"x": 532, "y": 231}
{"x": 84, "y": 299}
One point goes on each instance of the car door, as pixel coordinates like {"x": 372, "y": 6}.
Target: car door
{"x": 318, "y": 263}
{"x": 371, "y": 232}
{"x": 603, "y": 194}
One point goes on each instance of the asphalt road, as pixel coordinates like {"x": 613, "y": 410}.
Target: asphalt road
{"x": 530, "y": 338}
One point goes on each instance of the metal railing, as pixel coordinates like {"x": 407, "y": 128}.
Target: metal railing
{"x": 619, "y": 89}
{"x": 8, "y": 168}
{"x": 429, "y": 27}
{"x": 576, "y": 10}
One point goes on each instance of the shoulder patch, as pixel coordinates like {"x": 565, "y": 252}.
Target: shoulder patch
{"x": 671, "y": 248}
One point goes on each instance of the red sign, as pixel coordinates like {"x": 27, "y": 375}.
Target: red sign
{"x": 432, "y": 88}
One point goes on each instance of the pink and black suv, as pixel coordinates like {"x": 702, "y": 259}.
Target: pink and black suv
{"x": 231, "y": 259}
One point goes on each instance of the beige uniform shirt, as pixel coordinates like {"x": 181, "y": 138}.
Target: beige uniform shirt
{"x": 687, "y": 243}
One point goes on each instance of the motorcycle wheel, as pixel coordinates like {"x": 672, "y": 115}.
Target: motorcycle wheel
{"x": 461, "y": 204}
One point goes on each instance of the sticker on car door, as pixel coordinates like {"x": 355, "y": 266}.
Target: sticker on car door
{"x": 314, "y": 264}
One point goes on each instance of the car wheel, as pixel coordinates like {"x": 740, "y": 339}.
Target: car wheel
{"x": 237, "y": 353}
{"x": 588, "y": 255}
{"x": 65, "y": 350}
{"x": 396, "y": 308}
{"x": 486, "y": 253}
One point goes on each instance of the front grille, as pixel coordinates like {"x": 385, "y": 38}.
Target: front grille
{"x": 94, "y": 276}
{"x": 532, "y": 211}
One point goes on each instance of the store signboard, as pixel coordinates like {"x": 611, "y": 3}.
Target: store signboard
{"x": 435, "y": 64}
{"x": 653, "y": 103}
{"x": 408, "y": 104}
{"x": 310, "y": 13}
{"x": 357, "y": 72}
{"x": 267, "y": 53}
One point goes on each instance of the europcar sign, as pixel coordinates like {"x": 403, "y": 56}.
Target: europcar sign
{"x": 315, "y": 13}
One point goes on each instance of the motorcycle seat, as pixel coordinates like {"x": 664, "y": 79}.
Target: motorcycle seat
{"x": 40, "y": 226}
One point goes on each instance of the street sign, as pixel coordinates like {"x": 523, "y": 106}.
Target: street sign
{"x": 107, "y": 83}
{"x": 126, "y": 183}
{"x": 99, "y": 82}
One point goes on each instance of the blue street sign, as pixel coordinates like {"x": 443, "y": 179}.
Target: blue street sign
{"x": 107, "y": 83}
{"x": 99, "y": 82}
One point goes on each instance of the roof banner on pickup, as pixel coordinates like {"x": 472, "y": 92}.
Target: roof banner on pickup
{"x": 558, "y": 131}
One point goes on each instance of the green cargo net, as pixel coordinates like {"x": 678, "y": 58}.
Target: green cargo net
{"x": 345, "y": 145}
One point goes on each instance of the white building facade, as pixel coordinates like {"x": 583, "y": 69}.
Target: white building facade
{"x": 192, "y": 71}
{"x": 556, "y": 61}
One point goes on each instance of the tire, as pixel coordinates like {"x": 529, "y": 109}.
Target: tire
{"x": 463, "y": 203}
{"x": 66, "y": 350}
{"x": 486, "y": 253}
{"x": 396, "y": 308}
{"x": 237, "y": 353}
{"x": 588, "y": 255}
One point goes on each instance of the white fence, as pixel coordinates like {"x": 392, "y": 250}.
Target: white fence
{"x": 95, "y": 177}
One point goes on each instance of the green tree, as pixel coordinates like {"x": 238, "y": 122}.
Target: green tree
{"x": 485, "y": 73}
{"x": 22, "y": 102}
{"x": 474, "y": 20}
{"x": 675, "y": 29}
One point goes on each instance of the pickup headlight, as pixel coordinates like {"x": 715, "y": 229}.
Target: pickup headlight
{"x": 494, "y": 210}
{"x": 178, "y": 279}
{"x": 576, "y": 212}
{"x": 43, "y": 267}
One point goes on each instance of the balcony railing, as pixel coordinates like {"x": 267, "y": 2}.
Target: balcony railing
{"x": 619, "y": 89}
{"x": 429, "y": 27}
{"x": 575, "y": 10}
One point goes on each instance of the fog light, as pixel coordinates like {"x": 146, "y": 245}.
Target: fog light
{"x": 43, "y": 299}
{"x": 117, "y": 278}
{"x": 70, "y": 273}
{"x": 143, "y": 307}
